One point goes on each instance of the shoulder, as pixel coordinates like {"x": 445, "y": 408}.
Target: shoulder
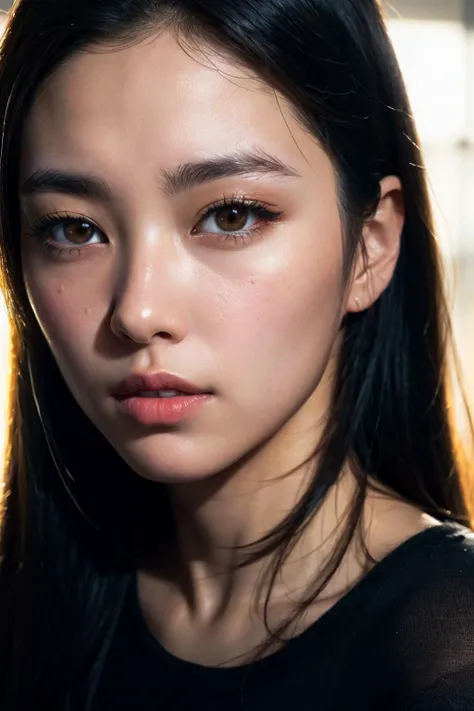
{"x": 422, "y": 552}
{"x": 429, "y": 632}
{"x": 431, "y": 577}
{"x": 437, "y": 565}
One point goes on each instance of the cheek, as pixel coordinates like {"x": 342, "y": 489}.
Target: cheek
{"x": 281, "y": 328}
{"x": 65, "y": 314}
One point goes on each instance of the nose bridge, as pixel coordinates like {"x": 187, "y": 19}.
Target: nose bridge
{"x": 146, "y": 299}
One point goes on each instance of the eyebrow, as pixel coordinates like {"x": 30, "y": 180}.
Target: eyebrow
{"x": 55, "y": 181}
{"x": 182, "y": 178}
{"x": 242, "y": 163}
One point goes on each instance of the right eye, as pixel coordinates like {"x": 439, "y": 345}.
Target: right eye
{"x": 75, "y": 232}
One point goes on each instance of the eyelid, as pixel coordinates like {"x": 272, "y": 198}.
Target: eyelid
{"x": 236, "y": 200}
{"x": 49, "y": 221}
{"x": 266, "y": 211}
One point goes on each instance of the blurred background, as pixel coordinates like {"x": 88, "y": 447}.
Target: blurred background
{"x": 434, "y": 40}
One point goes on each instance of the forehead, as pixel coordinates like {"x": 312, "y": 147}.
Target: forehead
{"x": 161, "y": 102}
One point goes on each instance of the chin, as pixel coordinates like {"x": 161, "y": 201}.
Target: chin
{"x": 178, "y": 464}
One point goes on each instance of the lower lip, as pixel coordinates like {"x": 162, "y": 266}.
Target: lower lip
{"x": 163, "y": 410}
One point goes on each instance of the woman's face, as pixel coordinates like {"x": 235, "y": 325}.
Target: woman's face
{"x": 195, "y": 231}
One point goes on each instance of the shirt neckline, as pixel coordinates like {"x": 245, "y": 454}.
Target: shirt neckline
{"x": 428, "y": 537}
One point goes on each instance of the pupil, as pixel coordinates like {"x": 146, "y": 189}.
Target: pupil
{"x": 232, "y": 219}
{"x": 78, "y": 232}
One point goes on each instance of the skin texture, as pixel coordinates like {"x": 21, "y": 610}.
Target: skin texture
{"x": 255, "y": 321}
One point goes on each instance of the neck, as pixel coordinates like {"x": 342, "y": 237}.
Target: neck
{"x": 216, "y": 517}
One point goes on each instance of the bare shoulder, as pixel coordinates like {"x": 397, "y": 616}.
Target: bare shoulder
{"x": 389, "y": 522}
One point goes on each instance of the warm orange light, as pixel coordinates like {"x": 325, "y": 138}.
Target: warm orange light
{"x": 4, "y": 380}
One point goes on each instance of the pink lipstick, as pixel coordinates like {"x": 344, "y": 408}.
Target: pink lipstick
{"x": 159, "y": 399}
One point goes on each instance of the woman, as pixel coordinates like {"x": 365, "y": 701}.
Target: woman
{"x": 232, "y": 479}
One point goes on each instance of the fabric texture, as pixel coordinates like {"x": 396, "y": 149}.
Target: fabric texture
{"x": 401, "y": 640}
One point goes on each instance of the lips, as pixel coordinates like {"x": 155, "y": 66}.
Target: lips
{"x": 138, "y": 399}
{"x": 137, "y": 384}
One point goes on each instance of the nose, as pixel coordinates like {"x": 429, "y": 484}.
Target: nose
{"x": 148, "y": 300}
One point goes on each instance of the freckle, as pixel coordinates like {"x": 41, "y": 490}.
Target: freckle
{"x": 61, "y": 289}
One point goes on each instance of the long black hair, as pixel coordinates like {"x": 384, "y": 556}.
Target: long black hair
{"x": 75, "y": 519}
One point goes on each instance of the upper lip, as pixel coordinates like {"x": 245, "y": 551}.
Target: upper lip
{"x": 142, "y": 382}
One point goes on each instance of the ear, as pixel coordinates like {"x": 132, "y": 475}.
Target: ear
{"x": 378, "y": 253}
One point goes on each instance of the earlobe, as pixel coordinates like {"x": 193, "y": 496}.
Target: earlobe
{"x": 379, "y": 249}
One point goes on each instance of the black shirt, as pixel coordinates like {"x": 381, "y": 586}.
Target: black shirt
{"x": 401, "y": 639}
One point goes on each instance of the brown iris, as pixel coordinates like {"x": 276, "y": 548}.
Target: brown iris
{"x": 78, "y": 231}
{"x": 231, "y": 219}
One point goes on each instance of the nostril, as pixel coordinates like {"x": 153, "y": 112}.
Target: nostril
{"x": 120, "y": 329}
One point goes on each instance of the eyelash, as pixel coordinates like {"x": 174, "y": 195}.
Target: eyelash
{"x": 264, "y": 215}
{"x": 261, "y": 210}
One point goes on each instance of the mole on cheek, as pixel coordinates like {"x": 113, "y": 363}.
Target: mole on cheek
{"x": 60, "y": 289}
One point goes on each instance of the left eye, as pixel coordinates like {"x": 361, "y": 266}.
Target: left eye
{"x": 229, "y": 219}
{"x": 76, "y": 232}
